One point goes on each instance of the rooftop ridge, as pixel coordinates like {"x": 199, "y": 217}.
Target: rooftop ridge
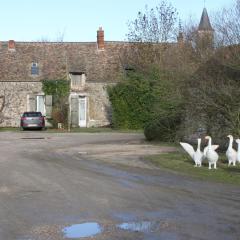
{"x": 71, "y": 42}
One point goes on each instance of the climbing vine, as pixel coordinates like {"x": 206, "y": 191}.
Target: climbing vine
{"x": 56, "y": 88}
{"x": 60, "y": 90}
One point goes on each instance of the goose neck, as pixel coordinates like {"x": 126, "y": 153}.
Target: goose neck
{"x": 230, "y": 143}
{"x": 199, "y": 144}
{"x": 210, "y": 142}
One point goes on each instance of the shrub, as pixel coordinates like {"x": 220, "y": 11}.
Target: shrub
{"x": 59, "y": 115}
{"x": 59, "y": 89}
{"x": 151, "y": 101}
{"x": 162, "y": 128}
{"x": 131, "y": 102}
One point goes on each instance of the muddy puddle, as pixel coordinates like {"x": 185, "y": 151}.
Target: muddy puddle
{"x": 82, "y": 230}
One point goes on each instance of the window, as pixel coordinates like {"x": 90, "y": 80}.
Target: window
{"x": 32, "y": 114}
{"x": 34, "y": 69}
{"x": 77, "y": 79}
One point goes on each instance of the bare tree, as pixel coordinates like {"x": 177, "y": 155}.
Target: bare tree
{"x": 226, "y": 23}
{"x": 155, "y": 25}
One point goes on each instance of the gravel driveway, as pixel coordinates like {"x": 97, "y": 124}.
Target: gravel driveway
{"x": 53, "y": 183}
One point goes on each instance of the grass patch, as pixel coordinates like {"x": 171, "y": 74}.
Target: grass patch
{"x": 9, "y": 129}
{"x": 180, "y": 162}
{"x": 74, "y": 130}
{"x": 104, "y": 130}
{"x": 78, "y": 130}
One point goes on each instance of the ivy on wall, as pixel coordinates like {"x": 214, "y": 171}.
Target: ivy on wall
{"x": 57, "y": 88}
{"x": 151, "y": 102}
{"x": 60, "y": 90}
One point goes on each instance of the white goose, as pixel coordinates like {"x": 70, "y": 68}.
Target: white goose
{"x": 211, "y": 154}
{"x": 231, "y": 153}
{"x": 238, "y": 152}
{"x": 196, "y": 156}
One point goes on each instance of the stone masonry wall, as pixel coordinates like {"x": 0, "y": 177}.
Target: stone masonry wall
{"x": 99, "y": 107}
{"x": 13, "y": 101}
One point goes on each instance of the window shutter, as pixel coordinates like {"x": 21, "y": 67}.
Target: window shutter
{"x": 74, "y": 111}
{"x": 48, "y": 105}
{"x": 31, "y": 103}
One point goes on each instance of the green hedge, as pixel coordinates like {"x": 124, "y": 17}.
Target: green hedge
{"x": 60, "y": 90}
{"x": 131, "y": 102}
{"x": 149, "y": 102}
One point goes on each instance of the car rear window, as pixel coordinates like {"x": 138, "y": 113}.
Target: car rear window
{"x": 32, "y": 114}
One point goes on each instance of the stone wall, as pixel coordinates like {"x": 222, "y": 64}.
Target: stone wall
{"x": 99, "y": 107}
{"x": 13, "y": 101}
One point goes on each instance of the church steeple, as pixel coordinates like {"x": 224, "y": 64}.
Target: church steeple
{"x": 205, "y": 24}
{"x": 205, "y": 33}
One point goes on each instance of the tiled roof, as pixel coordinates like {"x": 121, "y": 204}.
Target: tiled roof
{"x": 56, "y": 60}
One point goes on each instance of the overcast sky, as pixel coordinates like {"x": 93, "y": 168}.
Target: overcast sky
{"x": 78, "y": 20}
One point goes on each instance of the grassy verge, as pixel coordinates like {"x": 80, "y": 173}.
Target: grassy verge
{"x": 104, "y": 130}
{"x": 179, "y": 162}
{"x": 8, "y": 129}
{"x": 75, "y": 130}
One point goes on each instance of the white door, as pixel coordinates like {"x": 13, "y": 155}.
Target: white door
{"x": 82, "y": 111}
{"x": 41, "y": 104}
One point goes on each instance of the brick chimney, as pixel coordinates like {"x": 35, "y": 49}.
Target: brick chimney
{"x": 11, "y": 45}
{"x": 100, "y": 39}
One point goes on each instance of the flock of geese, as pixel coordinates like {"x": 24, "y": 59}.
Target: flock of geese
{"x": 210, "y": 153}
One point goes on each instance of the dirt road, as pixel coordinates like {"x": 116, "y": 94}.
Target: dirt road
{"x": 49, "y": 182}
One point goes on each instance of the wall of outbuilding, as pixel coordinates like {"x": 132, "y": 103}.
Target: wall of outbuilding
{"x": 13, "y": 101}
{"x": 99, "y": 107}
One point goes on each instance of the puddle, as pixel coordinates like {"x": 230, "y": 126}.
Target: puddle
{"x": 82, "y": 230}
{"x": 144, "y": 227}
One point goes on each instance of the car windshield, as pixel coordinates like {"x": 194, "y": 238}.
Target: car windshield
{"x": 32, "y": 114}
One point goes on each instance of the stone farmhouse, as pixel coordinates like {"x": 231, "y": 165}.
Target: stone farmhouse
{"x": 89, "y": 66}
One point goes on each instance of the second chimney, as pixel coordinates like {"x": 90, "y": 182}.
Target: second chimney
{"x": 100, "y": 39}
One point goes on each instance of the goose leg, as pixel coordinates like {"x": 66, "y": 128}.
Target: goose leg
{"x": 209, "y": 165}
{"x": 215, "y": 165}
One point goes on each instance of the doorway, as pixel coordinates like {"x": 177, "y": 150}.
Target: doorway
{"x": 82, "y": 111}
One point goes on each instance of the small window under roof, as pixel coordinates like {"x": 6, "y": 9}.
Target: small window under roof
{"x": 78, "y": 79}
{"x": 77, "y": 72}
{"x": 34, "y": 69}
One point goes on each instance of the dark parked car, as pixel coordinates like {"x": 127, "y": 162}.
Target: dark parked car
{"x": 32, "y": 120}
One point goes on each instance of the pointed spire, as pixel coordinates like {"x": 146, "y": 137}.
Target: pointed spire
{"x": 205, "y": 24}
